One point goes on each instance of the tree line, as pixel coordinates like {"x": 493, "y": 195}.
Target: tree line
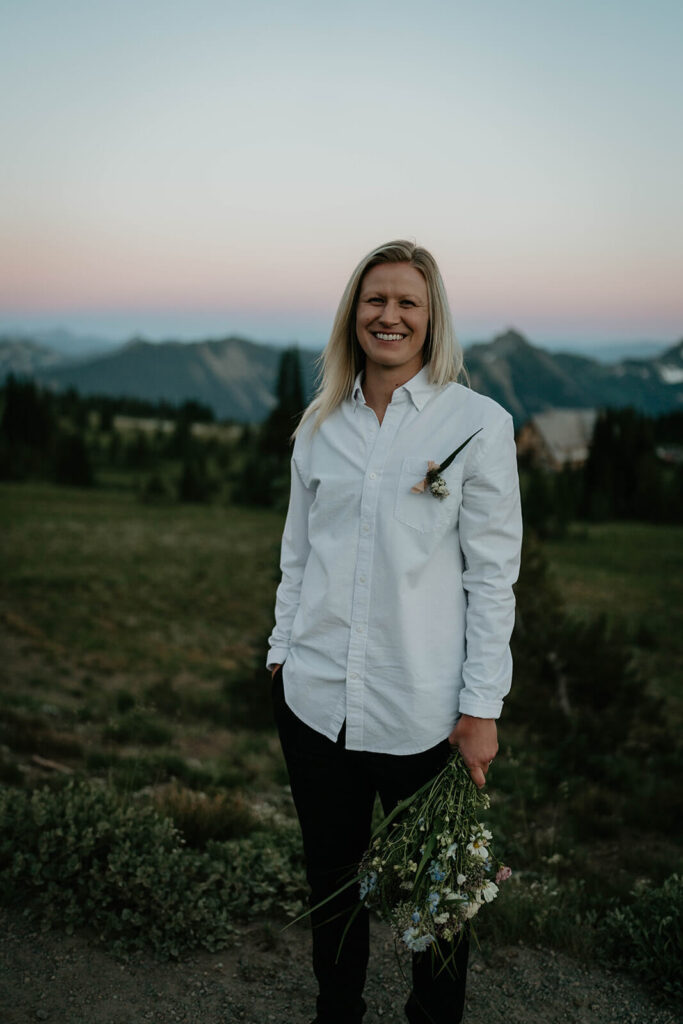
{"x": 633, "y": 469}
{"x": 74, "y": 440}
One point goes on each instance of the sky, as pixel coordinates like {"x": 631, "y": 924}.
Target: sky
{"x": 193, "y": 169}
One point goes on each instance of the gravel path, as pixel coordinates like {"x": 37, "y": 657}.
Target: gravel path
{"x": 265, "y": 977}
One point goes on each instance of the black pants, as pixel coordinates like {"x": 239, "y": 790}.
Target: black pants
{"x": 334, "y": 792}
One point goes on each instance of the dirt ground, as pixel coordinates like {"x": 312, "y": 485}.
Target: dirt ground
{"x": 265, "y": 977}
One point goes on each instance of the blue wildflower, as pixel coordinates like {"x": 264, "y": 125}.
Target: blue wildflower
{"x": 435, "y": 872}
{"x": 433, "y": 901}
{"x": 367, "y": 884}
{"x": 418, "y": 943}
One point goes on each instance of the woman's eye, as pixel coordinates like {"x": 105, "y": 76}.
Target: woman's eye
{"x": 407, "y": 302}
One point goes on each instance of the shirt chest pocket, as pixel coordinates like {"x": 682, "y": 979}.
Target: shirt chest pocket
{"x": 424, "y": 511}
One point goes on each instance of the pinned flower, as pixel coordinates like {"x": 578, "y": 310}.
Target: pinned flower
{"x": 433, "y": 481}
{"x": 438, "y": 488}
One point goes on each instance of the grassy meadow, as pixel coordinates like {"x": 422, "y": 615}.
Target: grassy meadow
{"x": 134, "y": 634}
{"x": 633, "y": 574}
{"x": 133, "y": 640}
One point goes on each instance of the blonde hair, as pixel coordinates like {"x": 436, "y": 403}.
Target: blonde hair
{"x": 343, "y": 357}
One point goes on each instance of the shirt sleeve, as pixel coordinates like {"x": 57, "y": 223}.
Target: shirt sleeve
{"x": 490, "y": 528}
{"x": 294, "y": 555}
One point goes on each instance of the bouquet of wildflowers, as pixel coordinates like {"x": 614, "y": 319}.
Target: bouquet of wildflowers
{"x": 430, "y": 866}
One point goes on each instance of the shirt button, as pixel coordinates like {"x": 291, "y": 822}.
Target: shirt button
{"x": 360, "y": 629}
{"x": 362, "y": 579}
{"x": 373, "y": 476}
{"x": 354, "y": 675}
{"x": 366, "y": 528}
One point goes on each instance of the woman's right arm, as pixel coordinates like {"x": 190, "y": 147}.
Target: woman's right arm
{"x": 294, "y": 555}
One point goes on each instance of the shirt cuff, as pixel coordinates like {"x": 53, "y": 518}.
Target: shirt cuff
{"x": 276, "y": 656}
{"x": 480, "y": 708}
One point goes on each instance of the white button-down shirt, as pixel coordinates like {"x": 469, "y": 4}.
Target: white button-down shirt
{"x": 395, "y": 609}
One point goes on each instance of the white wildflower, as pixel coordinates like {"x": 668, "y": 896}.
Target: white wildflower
{"x": 477, "y": 848}
{"x": 489, "y": 892}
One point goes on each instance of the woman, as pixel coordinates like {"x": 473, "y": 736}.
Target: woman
{"x": 395, "y": 608}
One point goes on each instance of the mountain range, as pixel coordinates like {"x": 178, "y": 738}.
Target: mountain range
{"x": 237, "y": 377}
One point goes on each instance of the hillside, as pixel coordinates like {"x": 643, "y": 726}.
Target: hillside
{"x": 237, "y": 377}
{"x": 526, "y": 379}
{"x": 26, "y": 358}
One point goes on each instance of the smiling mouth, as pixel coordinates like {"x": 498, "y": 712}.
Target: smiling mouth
{"x": 387, "y": 337}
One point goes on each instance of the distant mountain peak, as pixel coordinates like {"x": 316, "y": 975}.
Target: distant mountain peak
{"x": 673, "y": 354}
{"x": 237, "y": 377}
{"x": 509, "y": 342}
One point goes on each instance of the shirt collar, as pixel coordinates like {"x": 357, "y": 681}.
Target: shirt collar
{"x": 419, "y": 388}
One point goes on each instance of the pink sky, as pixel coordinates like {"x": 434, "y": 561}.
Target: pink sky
{"x": 240, "y": 174}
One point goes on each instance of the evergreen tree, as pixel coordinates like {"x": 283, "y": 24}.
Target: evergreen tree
{"x": 264, "y": 478}
{"x": 27, "y": 416}
{"x": 72, "y": 462}
{"x": 277, "y": 430}
{"x": 195, "y": 483}
{"x": 621, "y": 478}
{"x": 27, "y": 430}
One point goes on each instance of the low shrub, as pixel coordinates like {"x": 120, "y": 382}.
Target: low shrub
{"x": 543, "y": 911}
{"x": 84, "y": 856}
{"x": 647, "y": 936}
{"x": 202, "y": 817}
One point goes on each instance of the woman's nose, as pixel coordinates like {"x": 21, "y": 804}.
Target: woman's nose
{"x": 390, "y": 313}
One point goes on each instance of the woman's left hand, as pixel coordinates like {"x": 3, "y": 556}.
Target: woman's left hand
{"x": 477, "y": 741}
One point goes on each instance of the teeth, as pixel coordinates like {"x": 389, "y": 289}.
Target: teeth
{"x": 389, "y": 337}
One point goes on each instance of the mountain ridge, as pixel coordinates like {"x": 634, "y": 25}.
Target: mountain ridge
{"x": 237, "y": 376}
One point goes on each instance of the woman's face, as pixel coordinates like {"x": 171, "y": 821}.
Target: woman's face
{"x": 392, "y": 317}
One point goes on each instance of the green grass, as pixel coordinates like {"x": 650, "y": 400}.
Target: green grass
{"x": 633, "y": 574}
{"x": 120, "y": 584}
{"x": 133, "y": 643}
{"x": 133, "y": 628}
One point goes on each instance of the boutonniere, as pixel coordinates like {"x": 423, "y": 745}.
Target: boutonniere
{"x": 436, "y": 483}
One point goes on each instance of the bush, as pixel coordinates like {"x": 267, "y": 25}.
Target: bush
{"x": 83, "y": 856}
{"x": 588, "y": 713}
{"x": 545, "y": 912}
{"x": 155, "y": 489}
{"x": 647, "y": 937}
{"x": 72, "y": 461}
{"x": 195, "y": 484}
{"x": 200, "y": 817}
